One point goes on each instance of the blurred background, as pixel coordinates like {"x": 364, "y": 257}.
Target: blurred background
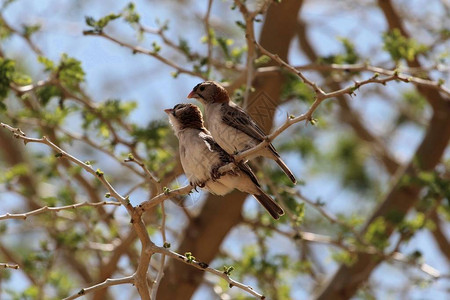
{"x": 98, "y": 90}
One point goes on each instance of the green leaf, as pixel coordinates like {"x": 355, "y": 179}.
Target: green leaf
{"x": 104, "y": 130}
{"x": 48, "y": 64}
{"x": 115, "y": 108}
{"x": 224, "y": 44}
{"x": 262, "y": 60}
{"x": 345, "y": 257}
{"x": 376, "y": 233}
{"x": 153, "y": 135}
{"x": 241, "y": 24}
{"x": 90, "y": 21}
{"x": 5, "y": 31}
{"x": 28, "y": 30}
{"x": 48, "y": 92}
{"x": 166, "y": 190}
{"x": 299, "y": 213}
{"x": 184, "y": 47}
{"x": 15, "y": 171}
{"x": 70, "y": 72}
{"x": 100, "y": 24}
{"x": 294, "y": 87}
{"x": 350, "y": 56}
{"x": 189, "y": 257}
{"x": 130, "y": 15}
{"x": 227, "y": 270}
{"x": 7, "y": 70}
{"x": 99, "y": 173}
{"x": 105, "y": 20}
{"x": 401, "y": 47}
{"x": 156, "y": 47}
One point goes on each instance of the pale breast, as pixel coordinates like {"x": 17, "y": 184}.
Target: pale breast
{"x": 196, "y": 158}
{"x": 229, "y": 138}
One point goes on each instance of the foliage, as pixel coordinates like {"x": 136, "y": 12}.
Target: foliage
{"x": 401, "y": 47}
{"x": 347, "y": 152}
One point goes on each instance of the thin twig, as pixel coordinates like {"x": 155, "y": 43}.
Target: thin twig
{"x": 9, "y": 266}
{"x": 250, "y": 36}
{"x": 61, "y": 153}
{"x": 140, "y": 275}
{"x": 160, "y": 275}
{"x": 24, "y": 216}
{"x": 208, "y": 36}
{"x": 108, "y": 282}
{"x": 137, "y": 49}
{"x": 205, "y": 267}
{"x": 25, "y": 37}
{"x": 146, "y": 205}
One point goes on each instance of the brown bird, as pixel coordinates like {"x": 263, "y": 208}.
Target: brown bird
{"x": 201, "y": 158}
{"x": 232, "y": 128}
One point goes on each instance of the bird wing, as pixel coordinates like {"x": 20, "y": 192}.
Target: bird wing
{"x": 246, "y": 169}
{"x": 225, "y": 158}
{"x": 236, "y": 117}
{"x": 214, "y": 147}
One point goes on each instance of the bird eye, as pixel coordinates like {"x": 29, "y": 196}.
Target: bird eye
{"x": 202, "y": 88}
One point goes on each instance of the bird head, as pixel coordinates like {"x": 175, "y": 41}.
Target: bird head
{"x": 209, "y": 92}
{"x": 185, "y": 115}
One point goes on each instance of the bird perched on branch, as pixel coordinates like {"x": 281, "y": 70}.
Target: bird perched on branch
{"x": 232, "y": 128}
{"x": 201, "y": 158}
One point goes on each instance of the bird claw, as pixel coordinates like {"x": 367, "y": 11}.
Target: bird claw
{"x": 215, "y": 173}
{"x": 197, "y": 184}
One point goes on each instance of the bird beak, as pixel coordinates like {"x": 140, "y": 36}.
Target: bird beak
{"x": 192, "y": 95}
{"x": 168, "y": 111}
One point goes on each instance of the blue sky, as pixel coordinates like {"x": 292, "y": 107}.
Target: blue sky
{"x": 111, "y": 72}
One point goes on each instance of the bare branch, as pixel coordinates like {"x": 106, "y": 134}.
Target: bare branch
{"x": 401, "y": 73}
{"x": 137, "y": 49}
{"x": 146, "y": 205}
{"x": 250, "y": 36}
{"x": 8, "y": 266}
{"x": 205, "y": 267}
{"x": 208, "y": 35}
{"x": 104, "y": 284}
{"x": 140, "y": 276}
{"x": 24, "y": 216}
{"x": 61, "y": 153}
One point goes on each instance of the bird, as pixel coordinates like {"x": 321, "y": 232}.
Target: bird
{"x": 233, "y": 128}
{"x": 201, "y": 158}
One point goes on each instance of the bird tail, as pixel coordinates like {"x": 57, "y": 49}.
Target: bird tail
{"x": 286, "y": 170}
{"x": 269, "y": 204}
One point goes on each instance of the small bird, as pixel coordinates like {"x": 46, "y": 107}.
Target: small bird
{"x": 201, "y": 158}
{"x": 232, "y": 128}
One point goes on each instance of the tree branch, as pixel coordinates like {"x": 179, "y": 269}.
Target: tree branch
{"x": 24, "y": 216}
{"x": 8, "y": 266}
{"x": 204, "y": 267}
{"x": 137, "y": 49}
{"x": 108, "y": 282}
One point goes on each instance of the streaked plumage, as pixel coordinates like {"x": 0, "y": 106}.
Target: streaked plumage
{"x": 201, "y": 157}
{"x": 232, "y": 128}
